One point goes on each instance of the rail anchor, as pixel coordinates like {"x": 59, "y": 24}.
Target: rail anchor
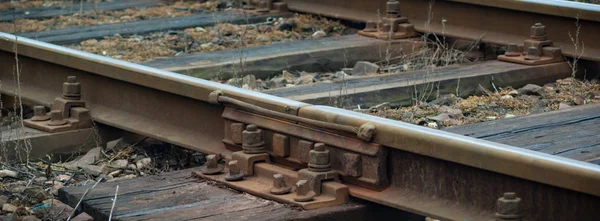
{"x": 392, "y": 26}
{"x": 536, "y": 50}
{"x": 68, "y": 112}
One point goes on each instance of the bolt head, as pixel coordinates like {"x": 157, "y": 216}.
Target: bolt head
{"x": 371, "y": 26}
{"x": 532, "y": 54}
{"x": 251, "y": 127}
{"x": 39, "y": 113}
{"x": 39, "y": 110}
{"x": 251, "y": 135}
{"x": 386, "y": 27}
{"x": 393, "y": 8}
{"x": 319, "y": 157}
{"x": 319, "y": 147}
{"x": 211, "y": 166}
{"x": 233, "y": 166}
{"x": 510, "y": 195}
{"x": 512, "y": 50}
{"x": 56, "y": 118}
{"x": 71, "y": 79}
{"x": 538, "y": 32}
{"x": 509, "y": 205}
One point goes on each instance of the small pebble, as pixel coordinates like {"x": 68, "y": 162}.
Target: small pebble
{"x": 8, "y": 173}
{"x": 7, "y": 207}
{"x": 318, "y": 34}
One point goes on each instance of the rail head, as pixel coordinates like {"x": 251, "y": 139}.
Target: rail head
{"x": 567, "y": 9}
{"x": 171, "y": 82}
{"x": 504, "y": 159}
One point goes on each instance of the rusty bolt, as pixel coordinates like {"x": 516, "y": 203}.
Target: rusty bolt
{"x": 371, "y": 26}
{"x": 280, "y": 6}
{"x": 303, "y": 192}
{"x": 532, "y": 54}
{"x": 249, "y": 5}
{"x": 252, "y": 140}
{"x": 386, "y": 28}
{"x": 393, "y": 9}
{"x": 39, "y": 114}
{"x": 211, "y": 166}
{"x": 508, "y": 207}
{"x": 280, "y": 187}
{"x": 538, "y": 32}
{"x": 263, "y": 6}
{"x": 512, "y": 50}
{"x": 213, "y": 97}
{"x": 234, "y": 174}
{"x": 71, "y": 89}
{"x": 56, "y": 118}
{"x": 366, "y": 131}
{"x": 319, "y": 159}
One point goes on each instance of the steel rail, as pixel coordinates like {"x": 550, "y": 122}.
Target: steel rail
{"x": 496, "y": 21}
{"x": 425, "y": 165}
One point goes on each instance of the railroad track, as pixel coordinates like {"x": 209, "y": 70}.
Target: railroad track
{"x": 458, "y": 174}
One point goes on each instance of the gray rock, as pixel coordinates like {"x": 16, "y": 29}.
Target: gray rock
{"x": 341, "y": 74}
{"x": 563, "y": 106}
{"x": 318, "y": 34}
{"x": 92, "y": 169}
{"x": 83, "y": 217}
{"x": 37, "y": 193}
{"x": 40, "y": 180}
{"x": 8, "y": 173}
{"x": 364, "y": 67}
{"x": 126, "y": 177}
{"x": 131, "y": 166}
{"x": 62, "y": 177}
{"x": 276, "y": 82}
{"x": 440, "y": 117}
{"x": 56, "y": 187}
{"x": 18, "y": 189}
{"x": 60, "y": 210}
{"x": 31, "y": 218}
{"x": 3, "y": 199}
{"x": 453, "y": 112}
{"x": 250, "y": 80}
{"x": 114, "y": 145}
{"x": 530, "y": 89}
{"x": 446, "y": 100}
{"x": 380, "y": 107}
{"x": 119, "y": 164}
{"x": 206, "y": 45}
{"x": 304, "y": 79}
{"x": 262, "y": 38}
{"x": 287, "y": 26}
{"x": 143, "y": 163}
{"x": 238, "y": 82}
{"x": 7, "y": 207}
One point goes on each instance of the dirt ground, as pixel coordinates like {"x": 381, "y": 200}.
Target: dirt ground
{"x": 87, "y": 18}
{"x": 206, "y": 39}
{"x": 449, "y": 111}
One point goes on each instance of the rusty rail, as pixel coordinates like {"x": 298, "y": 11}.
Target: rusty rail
{"x": 497, "y": 22}
{"x": 431, "y": 172}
